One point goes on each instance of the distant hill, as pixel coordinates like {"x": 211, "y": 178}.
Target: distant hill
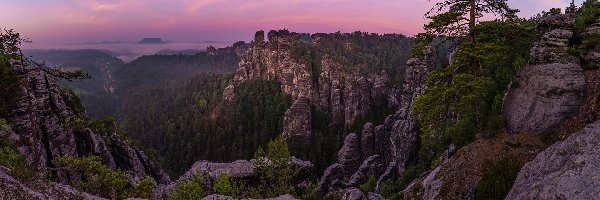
{"x": 151, "y": 41}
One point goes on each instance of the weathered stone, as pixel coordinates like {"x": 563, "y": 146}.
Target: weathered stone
{"x": 12, "y": 188}
{"x": 297, "y": 123}
{"x": 542, "y": 96}
{"x": 566, "y": 170}
{"x": 370, "y": 167}
{"x": 353, "y": 194}
{"x": 429, "y": 188}
{"x": 331, "y": 174}
{"x": 229, "y": 93}
{"x": 349, "y": 155}
{"x": 217, "y": 197}
{"x": 374, "y": 196}
{"x": 348, "y": 94}
{"x": 367, "y": 141}
{"x": 41, "y": 130}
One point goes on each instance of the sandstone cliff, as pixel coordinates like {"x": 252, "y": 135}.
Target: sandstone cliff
{"x": 44, "y": 125}
{"x": 382, "y": 151}
{"x": 347, "y": 90}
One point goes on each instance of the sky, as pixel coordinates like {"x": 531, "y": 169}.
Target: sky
{"x": 54, "y": 22}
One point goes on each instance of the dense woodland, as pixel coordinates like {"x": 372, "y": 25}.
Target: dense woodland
{"x": 179, "y": 112}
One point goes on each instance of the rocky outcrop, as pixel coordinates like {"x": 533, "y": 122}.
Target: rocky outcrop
{"x": 346, "y": 92}
{"x": 13, "y": 188}
{"x": 591, "y": 53}
{"x": 383, "y": 151}
{"x": 353, "y": 194}
{"x": 223, "y": 197}
{"x": 370, "y": 167}
{"x": 297, "y": 122}
{"x": 44, "y": 125}
{"x": 549, "y": 89}
{"x": 239, "y": 170}
{"x": 349, "y": 155}
{"x": 235, "y": 169}
{"x": 566, "y": 170}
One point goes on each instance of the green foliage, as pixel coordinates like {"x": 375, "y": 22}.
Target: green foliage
{"x": 3, "y": 125}
{"x": 73, "y": 102}
{"x": 497, "y": 179}
{"x": 9, "y": 155}
{"x": 97, "y": 177}
{"x": 144, "y": 189}
{"x": 457, "y": 18}
{"x": 107, "y": 125}
{"x": 466, "y": 98}
{"x": 11, "y": 159}
{"x": 586, "y": 15}
{"x": 9, "y": 79}
{"x": 224, "y": 185}
{"x": 276, "y": 172}
{"x": 368, "y": 186}
{"x": 169, "y": 119}
{"x": 189, "y": 190}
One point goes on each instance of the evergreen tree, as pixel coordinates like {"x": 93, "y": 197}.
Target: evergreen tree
{"x": 459, "y": 17}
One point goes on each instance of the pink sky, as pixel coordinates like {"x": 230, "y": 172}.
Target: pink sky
{"x": 56, "y": 22}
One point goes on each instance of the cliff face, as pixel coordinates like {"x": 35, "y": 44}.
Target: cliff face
{"x": 549, "y": 89}
{"x": 383, "y": 151}
{"x": 42, "y": 126}
{"x": 346, "y": 90}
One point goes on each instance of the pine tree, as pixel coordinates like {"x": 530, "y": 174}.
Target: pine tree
{"x": 458, "y": 17}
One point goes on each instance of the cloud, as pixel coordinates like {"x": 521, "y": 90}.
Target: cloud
{"x": 195, "y": 6}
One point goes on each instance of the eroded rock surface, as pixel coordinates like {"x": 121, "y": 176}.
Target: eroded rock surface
{"x": 566, "y": 170}
{"x": 549, "y": 89}
{"x": 42, "y": 128}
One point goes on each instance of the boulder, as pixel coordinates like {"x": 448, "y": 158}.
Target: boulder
{"x": 297, "y": 123}
{"x": 349, "y": 155}
{"x": 550, "y": 88}
{"x": 353, "y": 194}
{"x": 543, "y": 96}
{"x": 370, "y": 167}
{"x": 566, "y": 170}
{"x": 331, "y": 174}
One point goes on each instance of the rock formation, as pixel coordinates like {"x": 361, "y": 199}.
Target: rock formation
{"x": 386, "y": 150}
{"x": 297, "y": 122}
{"x": 347, "y": 95}
{"x": 566, "y": 170}
{"x": 550, "y": 88}
{"x": 591, "y": 54}
{"x": 43, "y": 126}
{"x": 38, "y": 189}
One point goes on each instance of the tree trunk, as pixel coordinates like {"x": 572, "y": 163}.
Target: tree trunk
{"x": 472, "y": 21}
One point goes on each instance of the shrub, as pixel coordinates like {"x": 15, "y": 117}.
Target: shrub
{"x": 144, "y": 189}
{"x": 97, "y": 177}
{"x": 191, "y": 189}
{"x": 224, "y": 185}
{"x": 369, "y": 186}
{"x": 497, "y": 179}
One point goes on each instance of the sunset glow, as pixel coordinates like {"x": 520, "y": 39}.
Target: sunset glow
{"x": 67, "y": 21}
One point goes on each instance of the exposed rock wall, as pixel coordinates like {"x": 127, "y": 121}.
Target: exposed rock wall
{"x": 549, "y": 89}
{"x": 297, "y": 122}
{"x": 43, "y": 127}
{"x": 566, "y": 170}
{"x": 383, "y": 151}
{"x": 343, "y": 91}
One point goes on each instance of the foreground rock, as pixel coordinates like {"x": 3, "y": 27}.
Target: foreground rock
{"x": 13, "y": 188}
{"x": 566, "y": 170}
{"x": 237, "y": 170}
{"x": 550, "y": 89}
{"x": 223, "y": 197}
{"x": 44, "y": 125}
